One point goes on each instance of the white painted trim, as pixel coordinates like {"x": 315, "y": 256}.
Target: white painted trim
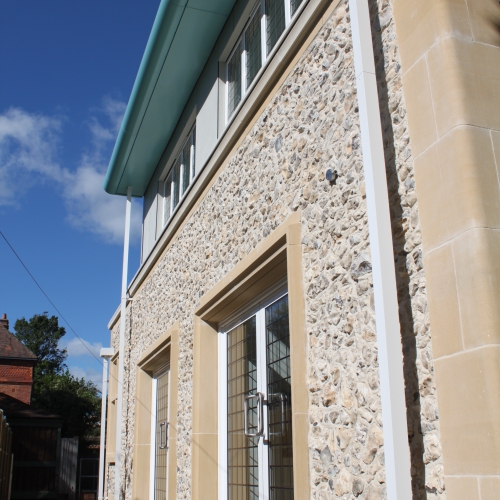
{"x": 396, "y": 448}
{"x": 123, "y": 318}
{"x": 105, "y": 353}
{"x": 262, "y": 34}
{"x": 288, "y": 12}
{"x": 169, "y": 399}
{"x": 152, "y": 462}
{"x": 263, "y": 449}
{"x": 222, "y": 414}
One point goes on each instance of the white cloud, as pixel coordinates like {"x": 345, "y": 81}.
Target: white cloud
{"x": 28, "y": 147}
{"x": 87, "y": 374}
{"x": 28, "y": 156}
{"x": 81, "y": 347}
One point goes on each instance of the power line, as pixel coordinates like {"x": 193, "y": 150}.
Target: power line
{"x": 49, "y": 299}
{"x": 62, "y": 316}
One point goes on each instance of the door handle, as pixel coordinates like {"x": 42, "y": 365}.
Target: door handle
{"x": 283, "y": 399}
{"x": 260, "y": 414}
{"x": 163, "y": 439}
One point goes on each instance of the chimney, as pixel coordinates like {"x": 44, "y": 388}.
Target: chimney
{"x": 4, "y": 321}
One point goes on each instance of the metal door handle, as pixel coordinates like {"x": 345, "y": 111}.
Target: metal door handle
{"x": 163, "y": 442}
{"x": 283, "y": 399}
{"x": 260, "y": 416}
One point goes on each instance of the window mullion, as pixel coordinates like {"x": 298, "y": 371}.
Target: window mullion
{"x": 262, "y": 387}
{"x": 172, "y": 197}
{"x": 263, "y": 30}
{"x": 288, "y": 11}
{"x": 243, "y": 66}
{"x": 191, "y": 155}
{"x": 181, "y": 174}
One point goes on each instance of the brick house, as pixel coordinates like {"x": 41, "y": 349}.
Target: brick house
{"x": 17, "y": 363}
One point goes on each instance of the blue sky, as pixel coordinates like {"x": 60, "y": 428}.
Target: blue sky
{"x": 68, "y": 68}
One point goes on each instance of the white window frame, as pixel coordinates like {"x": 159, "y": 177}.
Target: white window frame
{"x": 255, "y": 308}
{"x": 154, "y": 389}
{"x": 240, "y": 45}
{"x": 191, "y": 136}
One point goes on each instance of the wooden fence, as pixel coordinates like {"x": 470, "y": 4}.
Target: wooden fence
{"x": 5, "y": 458}
{"x": 68, "y": 467}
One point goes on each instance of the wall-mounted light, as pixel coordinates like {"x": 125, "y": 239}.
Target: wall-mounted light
{"x": 331, "y": 176}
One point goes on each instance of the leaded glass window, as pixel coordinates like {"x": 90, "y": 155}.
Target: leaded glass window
{"x": 275, "y": 22}
{"x": 295, "y": 5}
{"x": 259, "y": 406}
{"x": 253, "y": 46}
{"x": 261, "y": 34}
{"x": 176, "y": 174}
{"x": 161, "y": 437}
{"x": 234, "y": 80}
{"x": 186, "y": 165}
{"x": 180, "y": 177}
{"x": 167, "y": 198}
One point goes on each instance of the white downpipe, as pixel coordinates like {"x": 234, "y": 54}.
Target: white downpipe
{"x": 123, "y": 318}
{"x": 106, "y": 353}
{"x": 396, "y": 448}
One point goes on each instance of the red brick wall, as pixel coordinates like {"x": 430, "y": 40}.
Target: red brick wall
{"x": 17, "y": 391}
{"x": 16, "y": 379}
{"x": 16, "y": 373}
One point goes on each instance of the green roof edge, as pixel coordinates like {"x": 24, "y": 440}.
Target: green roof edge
{"x": 162, "y": 28}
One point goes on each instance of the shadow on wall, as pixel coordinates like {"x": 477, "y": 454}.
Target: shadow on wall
{"x": 413, "y": 404}
{"x": 492, "y": 16}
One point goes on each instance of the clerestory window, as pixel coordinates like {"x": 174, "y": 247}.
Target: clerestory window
{"x": 180, "y": 177}
{"x": 263, "y": 30}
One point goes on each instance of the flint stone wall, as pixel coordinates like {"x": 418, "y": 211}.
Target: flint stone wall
{"x": 311, "y": 124}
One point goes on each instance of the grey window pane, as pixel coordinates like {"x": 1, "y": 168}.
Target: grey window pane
{"x": 168, "y": 198}
{"x": 176, "y": 172}
{"x": 295, "y": 5}
{"x": 161, "y": 453}
{"x": 275, "y": 22}
{"x": 186, "y": 165}
{"x": 242, "y": 453}
{"x": 234, "y": 80}
{"x": 279, "y": 406}
{"x": 253, "y": 47}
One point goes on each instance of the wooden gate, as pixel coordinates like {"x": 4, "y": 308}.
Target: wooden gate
{"x": 36, "y": 461}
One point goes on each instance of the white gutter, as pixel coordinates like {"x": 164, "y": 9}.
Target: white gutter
{"x": 121, "y": 356}
{"x": 106, "y": 353}
{"x": 390, "y": 356}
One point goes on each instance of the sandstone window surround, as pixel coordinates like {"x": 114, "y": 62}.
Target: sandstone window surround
{"x": 266, "y": 25}
{"x": 148, "y": 467}
{"x": 180, "y": 177}
{"x": 278, "y": 257}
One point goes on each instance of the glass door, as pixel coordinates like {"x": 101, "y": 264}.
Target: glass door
{"x": 259, "y": 454}
{"x": 160, "y": 418}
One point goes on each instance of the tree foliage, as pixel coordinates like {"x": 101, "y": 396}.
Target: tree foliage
{"x": 41, "y": 335}
{"x": 55, "y": 390}
{"x": 75, "y": 399}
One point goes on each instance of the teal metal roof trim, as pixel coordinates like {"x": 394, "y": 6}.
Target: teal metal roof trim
{"x": 183, "y": 36}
